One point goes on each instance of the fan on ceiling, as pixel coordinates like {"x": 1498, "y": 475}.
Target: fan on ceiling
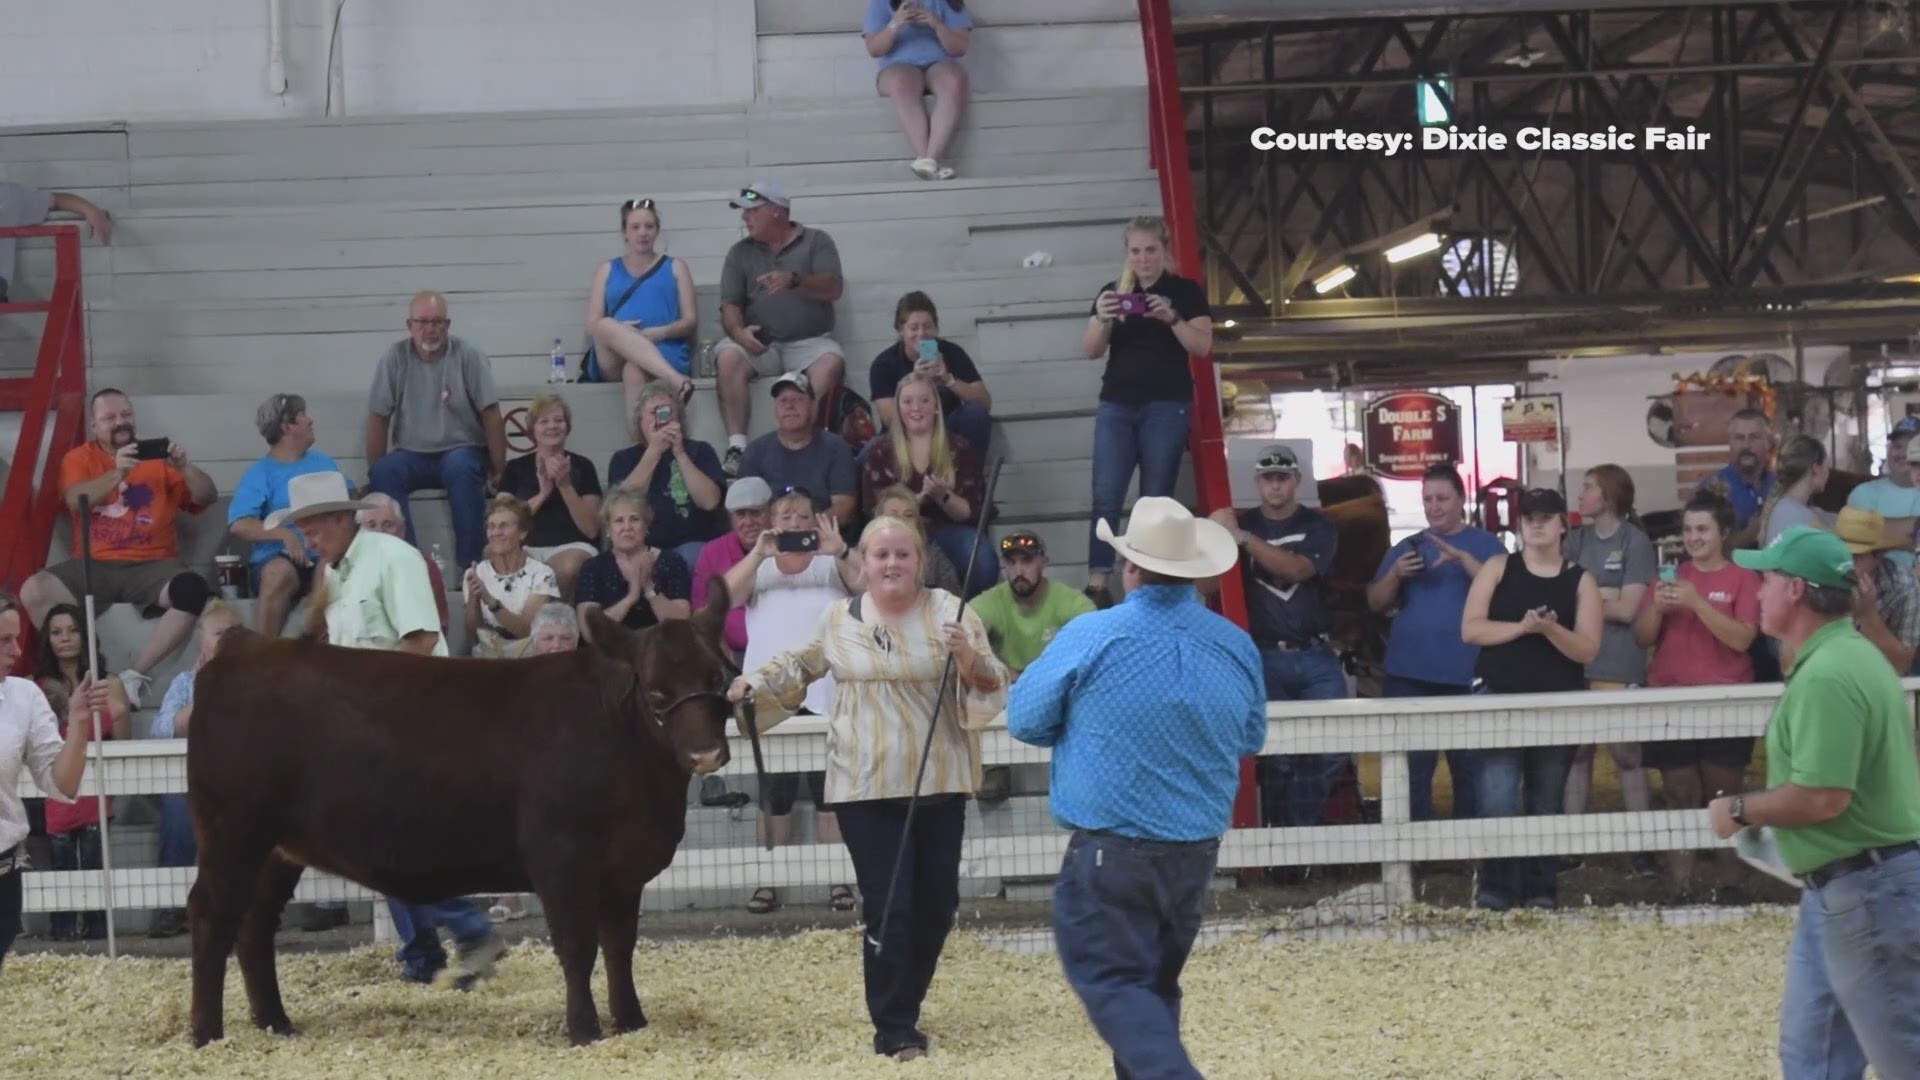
{"x": 1777, "y": 369}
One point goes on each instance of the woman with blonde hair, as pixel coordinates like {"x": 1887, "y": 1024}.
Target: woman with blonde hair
{"x": 1149, "y": 325}
{"x": 936, "y": 570}
{"x": 944, "y": 471}
{"x": 507, "y": 586}
{"x": 634, "y": 583}
{"x": 1799, "y": 474}
{"x": 887, "y": 650}
{"x": 561, "y": 488}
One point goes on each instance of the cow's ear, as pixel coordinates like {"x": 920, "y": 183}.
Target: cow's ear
{"x": 609, "y": 637}
{"x": 711, "y": 620}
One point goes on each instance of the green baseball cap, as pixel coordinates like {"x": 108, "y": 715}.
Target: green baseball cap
{"x": 1815, "y": 556}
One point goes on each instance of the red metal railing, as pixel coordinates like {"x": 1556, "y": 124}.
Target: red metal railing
{"x": 1206, "y": 434}
{"x": 58, "y": 386}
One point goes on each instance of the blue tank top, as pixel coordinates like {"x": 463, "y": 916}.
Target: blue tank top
{"x": 655, "y": 303}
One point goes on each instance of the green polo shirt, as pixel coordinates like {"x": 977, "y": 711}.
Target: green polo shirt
{"x": 1018, "y": 634}
{"x": 378, "y": 593}
{"x": 1844, "y": 722}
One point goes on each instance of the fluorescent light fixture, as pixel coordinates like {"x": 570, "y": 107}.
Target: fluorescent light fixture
{"x": 1428, "y": 107}
{"x": 1419, "y": 245}
{"x": 1333, "y": 279}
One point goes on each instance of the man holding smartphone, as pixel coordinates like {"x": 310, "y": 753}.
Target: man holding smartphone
{"x": 136, "y": 487}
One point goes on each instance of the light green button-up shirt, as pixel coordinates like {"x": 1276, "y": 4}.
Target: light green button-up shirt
{"x": 379, "y": 592}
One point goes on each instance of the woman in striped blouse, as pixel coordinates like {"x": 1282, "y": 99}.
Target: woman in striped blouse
{"x": 886, "y": 650}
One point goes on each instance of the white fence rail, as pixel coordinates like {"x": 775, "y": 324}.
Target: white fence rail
{"x": 1390, "y": 728}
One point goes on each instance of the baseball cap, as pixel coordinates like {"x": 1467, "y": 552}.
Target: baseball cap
{"x": 1813, "y": 555}
{"x": 1276, "y": 459}
{"x": 1022, "y": 542}
{"x": 1913, "y": 449}
{"x": 1541, "y": 501}
{"x": 791, "y": 378}
{"x": 1907, "y": 427}
{"x": 761, "y": 193}
{"x": 748, "y": 493}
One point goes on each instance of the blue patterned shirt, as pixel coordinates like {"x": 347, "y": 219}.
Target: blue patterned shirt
{"x": 1149, "y": 707}
{"x": 179, "y": 696}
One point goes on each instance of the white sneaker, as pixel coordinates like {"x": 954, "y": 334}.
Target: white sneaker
{"x": 136, "y": 685}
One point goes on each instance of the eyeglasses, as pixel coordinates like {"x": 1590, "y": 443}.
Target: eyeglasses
{"x": 636, "y": 204}
{"x": 432, "y": 323}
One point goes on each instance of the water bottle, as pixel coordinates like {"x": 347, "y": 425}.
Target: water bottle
{"x": 439, "y": 560}
{"x": 558, "y": 372}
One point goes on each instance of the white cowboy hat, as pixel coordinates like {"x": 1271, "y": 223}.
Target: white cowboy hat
{"x": 315, "y": 493}
{"x": 1162, "y": 536}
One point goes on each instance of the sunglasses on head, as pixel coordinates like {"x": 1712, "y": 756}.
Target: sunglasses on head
{"x": 1012, "y": 545}
{"x": 636, "y": 204}
{"x": 796, "y": 489}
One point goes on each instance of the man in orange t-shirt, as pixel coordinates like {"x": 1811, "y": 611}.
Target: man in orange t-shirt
{"x": 136, "y": 553}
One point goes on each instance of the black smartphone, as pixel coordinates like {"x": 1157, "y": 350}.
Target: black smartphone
{"x": 663, "y": 414}
{"x": 150, "y": 449}
{"x": 791, "y": 542}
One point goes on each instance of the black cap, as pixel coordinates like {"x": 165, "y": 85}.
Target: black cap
{"x": 1022, "y": 542}
{"x": 1541, "y": 501}
{"x": 1276, "y": 459}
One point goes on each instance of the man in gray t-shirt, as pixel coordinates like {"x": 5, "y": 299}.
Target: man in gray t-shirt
{"x": 796, "y": 454}
{"x": 433, "y": 421}
{"x": 21, "y": 205}
{"x": 777, "y": 291}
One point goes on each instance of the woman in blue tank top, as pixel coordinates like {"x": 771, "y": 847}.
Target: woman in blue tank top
{"x": 640, "y": 310}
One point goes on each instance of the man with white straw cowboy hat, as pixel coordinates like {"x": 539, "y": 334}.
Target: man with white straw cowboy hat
{"x": 1149, "y": 707}
{"x": 1886, "y": 598}
{"x": 376, "y": 595}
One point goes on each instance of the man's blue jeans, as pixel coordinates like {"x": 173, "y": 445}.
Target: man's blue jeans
{"x": 974, "y": 424}
{"x": 1462, "y": 765}
{"x": 1853, "y": 976}
{"x": 418, "y": 925}
{"x": 1125, "y": 915}
{"x": 956, "y": 543}
{"x": 1542, "y": 770}
{"x": 1294, "y": 787}
{"x": 1149, "y": 437}
{"x": 177, "y": 846}
{"x": 461, "y": 472}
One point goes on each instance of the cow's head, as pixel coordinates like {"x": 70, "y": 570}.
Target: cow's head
{"x": 683, "y": 673}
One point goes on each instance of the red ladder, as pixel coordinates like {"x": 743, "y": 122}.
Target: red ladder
{"x": 58, "y": 386}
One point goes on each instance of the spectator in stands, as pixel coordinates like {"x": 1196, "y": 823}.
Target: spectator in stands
{"x": 33, "y": 741}
{"x": 798, "y": 455}
{"x": 1800, "y": 474}
{"x": 964, "y": 399}
{"x": 175, "y": 720}
{"x": 632, "y": 583}
{"x": 1611, "y": 546}
{"x": 747, "y": 500}
{"x": 1141, "y": 422}
{"x": 1886, "y": 598}
{"x": 1286, "y": 553}
{"x": 777, "y": 290}
{"x": 384, "y": 515}
{"x": 506, "y": 588}
{"x": 936, "y": 570}
{"x": 555, "y": 630}
{"x": 919, "y": 44}
{"x": 281, "y": 563}
{"x": 73, "y": 828}
{"x": 681, "y": 477}
{"x": 1894, "y": 496}
{"x": 562, "y": 489}
{"x": 1700, "y": 620}
{"x": 943, "y": 470}
{"x": 887, "y": 650}
{"x": 21, "y": 205}
{"x": 1423, "y": 582}
{"x": 785, "y": 593}
{"x": 1745, "y": 481}
{"x": 1536, "y": 618}
{"x": 641, "y": 313}
{"x": 433, "y": 420}
{"x": 136, "y": 548}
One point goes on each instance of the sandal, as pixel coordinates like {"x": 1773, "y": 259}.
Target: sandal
{"x": 945, "y": 173}
{"x": 764, "y": 901}
{"x": 686, "y": 393}
{"x": 840, "y": 898}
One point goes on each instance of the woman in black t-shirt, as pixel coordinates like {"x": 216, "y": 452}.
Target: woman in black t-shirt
{"x": 562, "y": 489}
{"x": 1149, "y": 325}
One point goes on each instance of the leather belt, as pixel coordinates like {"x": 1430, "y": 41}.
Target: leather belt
{"x": 1868, "y": 858}
{"x": 1293, "y": 646}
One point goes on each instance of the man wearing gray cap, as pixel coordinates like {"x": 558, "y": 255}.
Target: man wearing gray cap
{"x": 777, "y": 291}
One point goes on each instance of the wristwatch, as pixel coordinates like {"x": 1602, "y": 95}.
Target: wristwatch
{"x": 1737, "y": 810}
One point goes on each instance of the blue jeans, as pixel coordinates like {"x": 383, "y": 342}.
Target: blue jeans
{"x": 1542, "y": 772}
{"x": 76, "y": 850}
{"x": 418, "y": 925}
{"x": 974, "y": 424}
{"x": 1853, "y": 976}
{"x": 956, "y": 543}
{"x": 1294, "y": 787}
{"x": 460, "y": 472}
{"x": 1125, "y": 915}
{"x": 177, "y": 846}
{"x": 689, "y": 552}
{"x": 1462, "y": 765}
{"x": 1149, "y": 437}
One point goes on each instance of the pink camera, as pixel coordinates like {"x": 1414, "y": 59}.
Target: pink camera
{"x": 1130, "y": 303}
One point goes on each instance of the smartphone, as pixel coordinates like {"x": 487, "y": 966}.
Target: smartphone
{"x": 663, "y": 414}
{"x": 150, "y": 449}
{"x": 1131, "y": 303}
{"x": 1669, "y": 572}
{"x": 792, "y": 542}
{"x": 929, "y": 350}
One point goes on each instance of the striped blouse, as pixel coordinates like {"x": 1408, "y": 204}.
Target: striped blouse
{"x": 886, "y": 678}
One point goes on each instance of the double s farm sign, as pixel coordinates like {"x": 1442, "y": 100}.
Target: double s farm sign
{"x": 1410, "y": 430}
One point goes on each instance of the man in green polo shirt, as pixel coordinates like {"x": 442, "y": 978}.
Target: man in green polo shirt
{"x": 1843, "y": 800}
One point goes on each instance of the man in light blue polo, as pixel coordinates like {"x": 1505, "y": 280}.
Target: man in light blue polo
{"x": 1894, "y": 495}
{"x": 1149, "y": 707}
{"x": 280, "y": 565}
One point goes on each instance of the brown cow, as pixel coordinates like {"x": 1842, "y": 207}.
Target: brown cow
{"x": 425, "y": 778}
